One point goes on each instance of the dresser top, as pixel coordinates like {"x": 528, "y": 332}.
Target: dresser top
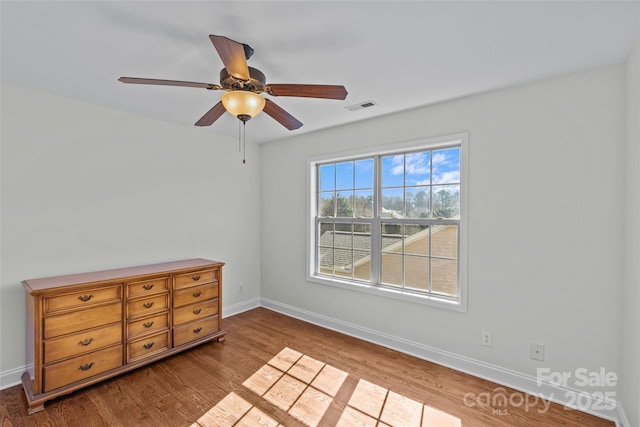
{"x": 42, "y": 284}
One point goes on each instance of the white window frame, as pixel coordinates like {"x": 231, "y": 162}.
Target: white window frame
{"x": 459, "y": 304}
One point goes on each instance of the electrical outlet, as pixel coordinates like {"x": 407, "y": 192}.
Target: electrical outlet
{"x": 536, "y": 351}
{"x": 486, "y": 338}
{"x": 240, "y": 288}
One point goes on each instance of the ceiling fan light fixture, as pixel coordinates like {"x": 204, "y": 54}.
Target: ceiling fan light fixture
{"x": 243, "y": 103}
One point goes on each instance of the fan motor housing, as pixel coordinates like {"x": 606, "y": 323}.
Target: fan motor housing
{"x": 257, "y": 80}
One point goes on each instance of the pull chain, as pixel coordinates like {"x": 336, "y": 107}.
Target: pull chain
{"x": 244, "y": 142}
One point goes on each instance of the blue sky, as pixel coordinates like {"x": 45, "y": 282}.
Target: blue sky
{"x": 443, "y": 164}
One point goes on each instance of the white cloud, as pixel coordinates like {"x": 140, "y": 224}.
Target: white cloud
{"x": 439, "y": 159}
{"x": 448, "y": 176}
{"x": 417, "y": 163}
{"x": 397, "y": 165}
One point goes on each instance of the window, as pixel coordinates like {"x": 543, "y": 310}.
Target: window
{"x": 392, "y": 222}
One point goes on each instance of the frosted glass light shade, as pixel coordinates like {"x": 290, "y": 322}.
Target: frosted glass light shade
{"x": 242, "y": 102}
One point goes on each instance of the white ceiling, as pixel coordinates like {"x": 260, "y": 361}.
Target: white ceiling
{"x": 399, "y": 54}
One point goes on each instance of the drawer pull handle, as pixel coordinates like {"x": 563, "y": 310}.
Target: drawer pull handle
{"x": 147, "y": 304}
{"x": 86, "y": 367}
{"x": 148, "y": 345}
{"x": 196, "y": 278}
{"x": 197, "y": 294}
{"x": 85, "y": 298}
{"x": 197, "y": 311}
{"x": 197, "y": 330}
{"x": 148, "y": 324}
{"x": 86, "y": 342}
{"x": 148, "y": 287}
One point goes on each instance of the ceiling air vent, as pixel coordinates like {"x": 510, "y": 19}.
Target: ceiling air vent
{"x": 361, "y": 105}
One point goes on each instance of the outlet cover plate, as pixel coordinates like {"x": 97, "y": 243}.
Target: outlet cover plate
{"x": 536, "y": 351}
{"x": 486, "y": 338}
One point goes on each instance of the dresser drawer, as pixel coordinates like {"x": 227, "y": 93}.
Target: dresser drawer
{"x": 84, "y": 319}
{"x": 148, "y": 325}
{"x": 148, "y": 287}
{"x": 146, "y": 306}
{"x": 77, "y": 300}
{"x": 195, "y": 294}
{"x": 79, "y": 368}
{"x": 195, "y": 330}
{"x": 82, "y": 342}
{"x": 195, "y": 278}
{"x": 196, "y": 311}
{"x": 147, "y": 346}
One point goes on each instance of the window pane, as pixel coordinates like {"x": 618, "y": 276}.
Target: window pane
{"x": 363, "y": 203}
{"x": 391, "y": 238}
{"x": 416, "y": 240}
{"x": 362, "y": 265}
{"x": 417, "y": 168}
{"x": 364, "y": 173}
{"x": 445, "y": 201}
{"x": 417, "y": 202}
{"x": 363, "y": 230}
{"x": 344, "y": 176}
{"x": 343, "y": 259}
{"x": 391, "y": 269}
{"x": 392, "y": 171}
{"x": 326, "y": 234}
{"x": 325, "y": 248}
{"x": 444, "y": 241}
{"x": 416, "y": 272}
{"x": 326, "y": 204}
{"x": 343, "y": 236}
{"x": 327, "y": 177}
{"x": 444, "y": 276}
{"x": 344, "y": 202}
{"x": 326, "y": 260}
{"x": 446, "y": 166}
{"x": 362, "y": 251}
{"x": 392, "y": 202}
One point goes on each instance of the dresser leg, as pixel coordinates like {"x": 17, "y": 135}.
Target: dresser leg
{"x": 221, "y": 339}
{"x": 36, "y": 408}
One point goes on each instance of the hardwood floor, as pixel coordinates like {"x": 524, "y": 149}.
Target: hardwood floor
{"x": 274, "y": 370}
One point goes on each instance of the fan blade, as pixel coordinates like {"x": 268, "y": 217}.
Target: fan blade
{"x": 212, "y": 115}
{"x": 281, "y": 116}
{"x": 233, "y": 56}
{"x": 307, "y": 91}
{"x": 142, "y": 81}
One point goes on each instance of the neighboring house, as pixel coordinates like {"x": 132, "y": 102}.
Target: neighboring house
{"x": 352, "y": 256}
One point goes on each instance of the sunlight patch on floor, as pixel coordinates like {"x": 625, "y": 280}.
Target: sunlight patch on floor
{"x": 305, "y": 387}
{"x": 372, "y": 405}
{"x": 298, "y": 384}
{"x": 235, "y": 411}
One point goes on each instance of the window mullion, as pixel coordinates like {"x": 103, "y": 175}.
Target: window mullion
{"x": 376, "y": 238}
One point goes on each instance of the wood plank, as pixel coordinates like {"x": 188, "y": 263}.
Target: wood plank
{"x": 358, "y": 377}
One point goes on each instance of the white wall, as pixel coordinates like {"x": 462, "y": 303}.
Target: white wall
{"x": 545, "y": 220}
{"x": 86, "y": 188}
{"x": 630, "y": 387}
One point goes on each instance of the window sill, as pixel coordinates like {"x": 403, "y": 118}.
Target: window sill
{"x": 398, "y": 294}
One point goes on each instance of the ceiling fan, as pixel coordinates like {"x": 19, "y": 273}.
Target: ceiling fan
{"x": 243, "y": 86}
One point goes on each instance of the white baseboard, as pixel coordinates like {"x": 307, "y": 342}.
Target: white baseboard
{"x": 11, "y": 377}
{"x": 241, "y": 307}
{"x": 508, "y": 378}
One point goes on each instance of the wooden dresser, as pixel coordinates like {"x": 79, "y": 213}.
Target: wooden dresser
{"x": 84, "y": 328}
